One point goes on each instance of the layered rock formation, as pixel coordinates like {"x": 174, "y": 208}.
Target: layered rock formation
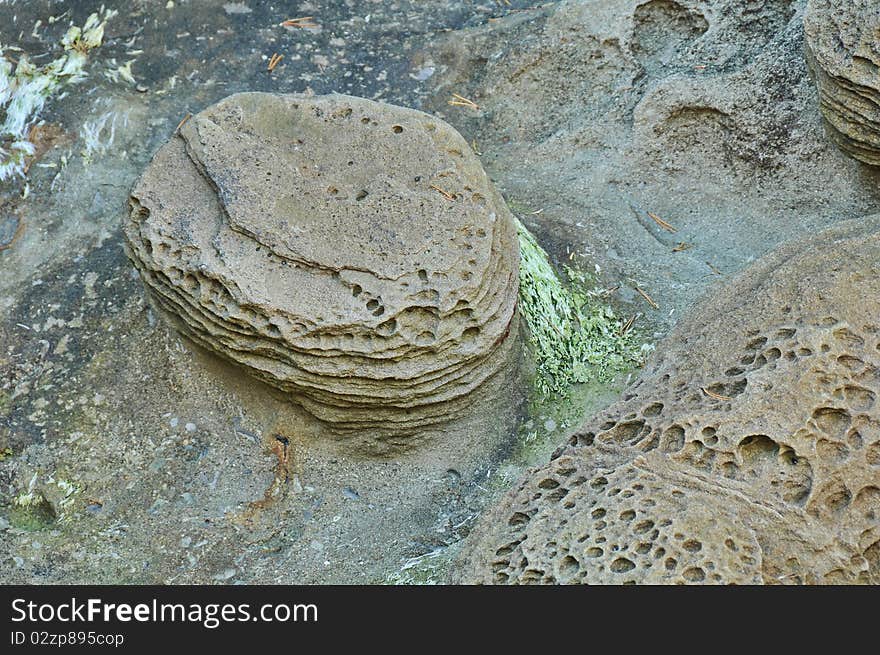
{"x": 348, "y": 252}
{"x": 843, "y": 51}
{"x": 748, "y": 451}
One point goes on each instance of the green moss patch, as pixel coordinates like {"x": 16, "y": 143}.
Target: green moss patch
{"x": 576, "y": 337}
{"x": 32, "y": 512}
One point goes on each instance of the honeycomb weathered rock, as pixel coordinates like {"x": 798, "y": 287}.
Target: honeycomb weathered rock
{"x": 351, "y": 253}
{"x": 747, "y": 451}
{"x": 843, "y": 51}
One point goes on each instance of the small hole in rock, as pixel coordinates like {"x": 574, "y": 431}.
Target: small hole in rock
{"x": 622, "y": 565}
{"x": 653, "y": 409}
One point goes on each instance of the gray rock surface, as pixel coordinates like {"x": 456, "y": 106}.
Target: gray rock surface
{"x": 748, "y": 451}
{"x": 351, "y": 253}
{"x": 843, "y": 51}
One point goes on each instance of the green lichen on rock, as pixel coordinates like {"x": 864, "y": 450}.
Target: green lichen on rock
{"x": 24, "y": 92}
{"x": 32, "y": 512}
{"x": 576, "y": 337}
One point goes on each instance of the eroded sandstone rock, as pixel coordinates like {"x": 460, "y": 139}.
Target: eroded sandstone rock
{"x": 348, "y": 252}
{"x": 748, "y": 451}
{"x": 843, "y": 51}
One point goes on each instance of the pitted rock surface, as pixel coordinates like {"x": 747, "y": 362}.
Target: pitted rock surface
{"x": 843, "y": 51}
{"x": 748, "y": 451}
{"x": 351, "y": 253}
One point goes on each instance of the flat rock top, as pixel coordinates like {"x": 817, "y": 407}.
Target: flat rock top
{"x": 339, "y": 182}
{"x": 331, "y": 213}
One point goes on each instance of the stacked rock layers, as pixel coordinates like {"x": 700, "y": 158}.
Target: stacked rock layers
{"x": 843, "y": 51}
{"x": 348, "y": 252}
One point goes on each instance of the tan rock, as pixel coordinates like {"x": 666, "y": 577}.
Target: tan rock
{"x": 843, "y": 52}
{"x": 351, "y": 253}
{"x": 748, "y": 451}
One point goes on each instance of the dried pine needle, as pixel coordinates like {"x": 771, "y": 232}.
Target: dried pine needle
{"x": 443, "y": 192}
{"x": 648, "y": 298}
{"x": 659, "y": 221}
{"x": 182, "y": 122}
{"x": 461, "y": 101}
{"x": 274, "y": 61}
{"x": 712, "y": 394}
{"x": 626, "y": 327}
{"x": 304, "y": 22}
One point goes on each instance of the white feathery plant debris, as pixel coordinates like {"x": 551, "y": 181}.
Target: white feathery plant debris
{"x": 576, "y": 337}
{"x": 92, "y": 131}
{"x": 24, "y": 92}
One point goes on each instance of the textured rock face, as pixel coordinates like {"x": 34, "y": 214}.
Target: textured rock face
{"x": 715, "y": 129}
{"x": 843, "y": 51}
{"x": 348, "y": 252}
{"x": 747, "y": 452}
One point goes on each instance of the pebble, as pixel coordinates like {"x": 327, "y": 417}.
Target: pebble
{"x": 424, "y": 73}
{"x": 236, "y": 8}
